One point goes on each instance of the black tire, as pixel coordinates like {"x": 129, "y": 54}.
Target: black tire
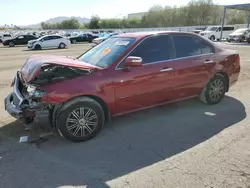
{"x": 38, "y": 47}
{"x": 212, "y": 38}
{"x": 90, "y": 40}
{"x": 61, "y": 46}
{"x": 207, "y": 95}
{"x": 242, "y": 39}
{"x": 11, "y": 44}
{"x": 67, "y": 111}
{"x": 73, "y": 41}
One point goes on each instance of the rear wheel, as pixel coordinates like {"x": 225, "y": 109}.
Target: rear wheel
{"x": 215, "y": 90}
{"x": 61, "y": 46}
{"x": 74, "y": 41}
{"x": 81, "y": 120}
{"x": 11, "y": 44}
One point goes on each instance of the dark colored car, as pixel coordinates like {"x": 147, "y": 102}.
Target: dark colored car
{"x": 19, "y": 40}
{"x": 123, "y": 74}
{"x": 82, "y": 38}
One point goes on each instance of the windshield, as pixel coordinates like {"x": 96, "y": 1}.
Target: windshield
{"x": 240, "y": 31}
{"x": 211, "y": 28}
{"x": 107, "y": 52}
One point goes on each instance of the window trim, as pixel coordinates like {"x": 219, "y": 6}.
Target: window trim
{"x": 195, "y": 37}
{"x": 174, "y": 59}
{"x": 150, "y": 36}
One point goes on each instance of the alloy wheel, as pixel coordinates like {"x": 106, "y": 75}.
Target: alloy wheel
{"x": 82, "y": 122}
{"x": 217, "y": 89}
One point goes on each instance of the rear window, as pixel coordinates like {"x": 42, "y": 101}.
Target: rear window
{"x": 187, "y": 46}
{"x": 228, "y": 28}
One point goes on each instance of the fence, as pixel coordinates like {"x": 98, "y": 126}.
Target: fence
{"x": 187, "y": 29}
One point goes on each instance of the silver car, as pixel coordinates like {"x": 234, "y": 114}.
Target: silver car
{"x": 239, "y": 35}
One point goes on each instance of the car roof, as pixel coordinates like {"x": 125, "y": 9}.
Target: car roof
{"x": 140, "y": 35}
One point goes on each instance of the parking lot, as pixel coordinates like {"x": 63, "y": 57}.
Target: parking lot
{"x": 186, "y": 144}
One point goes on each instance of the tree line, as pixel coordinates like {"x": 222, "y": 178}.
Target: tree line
{"x": 197, "y": 12}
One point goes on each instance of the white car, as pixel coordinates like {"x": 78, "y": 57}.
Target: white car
{"x": 240, "y": 35}
{"x": 49, "y": 41}
{"x": 213, "y": 32}
{"x": 5, "y": 37}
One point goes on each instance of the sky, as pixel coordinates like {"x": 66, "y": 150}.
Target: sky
{"x": 25, "y": 12}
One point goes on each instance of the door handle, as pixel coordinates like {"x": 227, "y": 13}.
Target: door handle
{"x": 166, "y": 69}
{"x": 209, "y": 61}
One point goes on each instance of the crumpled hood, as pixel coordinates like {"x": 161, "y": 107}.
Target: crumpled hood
{"x": 32, "y": 66}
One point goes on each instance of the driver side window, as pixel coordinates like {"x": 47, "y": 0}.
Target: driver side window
{"x": 45, "y": 38}
{"x": 153, "y": 49}
{"x": 21, "y": 37}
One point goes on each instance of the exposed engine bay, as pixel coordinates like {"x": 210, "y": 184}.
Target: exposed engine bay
{"x": 53, "y": 72}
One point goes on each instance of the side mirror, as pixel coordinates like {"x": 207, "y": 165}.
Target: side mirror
{"x": 133, "y": 61}
{"x": 42, "y": 40}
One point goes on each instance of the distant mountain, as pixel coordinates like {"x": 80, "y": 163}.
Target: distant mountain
{"x": 81, "y": 20}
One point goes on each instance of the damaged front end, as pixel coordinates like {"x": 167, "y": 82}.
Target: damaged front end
{"x": 17, "y": 105}
{"x": 26, "y": 100}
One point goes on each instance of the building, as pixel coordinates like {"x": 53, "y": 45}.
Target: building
{"x": 138, "y": 15}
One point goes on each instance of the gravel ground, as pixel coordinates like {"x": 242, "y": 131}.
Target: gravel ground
{"x": 186, "y": 144}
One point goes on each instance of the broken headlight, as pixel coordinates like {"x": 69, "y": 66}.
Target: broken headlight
{"x": 34, "y": 92}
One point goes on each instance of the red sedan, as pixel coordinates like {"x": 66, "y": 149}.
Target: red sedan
{"x": 125, "y": 73}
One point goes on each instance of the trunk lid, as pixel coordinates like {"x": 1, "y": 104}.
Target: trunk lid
{"x": 32, "y": 66}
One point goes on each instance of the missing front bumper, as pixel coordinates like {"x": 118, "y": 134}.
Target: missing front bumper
{"x": 24, "y": 115}
{"x": 14, "y": 104}
{"x": 11, "y": 109}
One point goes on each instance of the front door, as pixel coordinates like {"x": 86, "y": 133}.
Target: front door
{"x": 151, "y": 84}
{"x": 47, "y": 42}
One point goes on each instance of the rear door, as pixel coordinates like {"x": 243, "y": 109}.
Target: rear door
{"x": 26, "y": 39}
{"x": 20, "y": 40}
{"x": 227, "y": 30}
{"x": 150, "y": 84}
{"x": 192, "y": 65}
{"x": 29, "y": 37}
{"x": 55, "y": 41}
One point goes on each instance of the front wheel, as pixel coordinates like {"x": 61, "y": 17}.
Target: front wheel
{"x": 215, "y": 90}
{"x": 81, "y": 120}
{"x": 38, "y": 47}
{"x": 212, "y": 38}
{"x": 242, "y": 39}
{"x": 11, "y": 44}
